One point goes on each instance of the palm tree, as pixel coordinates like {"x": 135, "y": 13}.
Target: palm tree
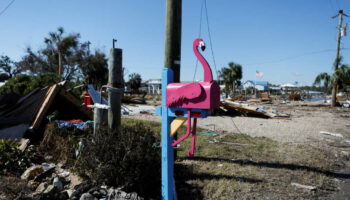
{"x": 341, "y": 77}
{"x": 326, "y": 78}
{"x": 224, "y": 74}
{"x": 61, "y": 44}
{"x": 135, "y": 81}
{"x": 235, "y": 75}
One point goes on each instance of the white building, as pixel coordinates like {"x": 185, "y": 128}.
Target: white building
{"x": 258, "y": 85}
{"x": 154, "y": 86}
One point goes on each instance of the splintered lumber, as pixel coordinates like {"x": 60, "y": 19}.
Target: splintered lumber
{"x": 228, "y": 106}
{"x": 242, "y": 109}
{"x": 265, "y": 96}
{"x": 50, "y": 96}
{"x": 254, "y": 100}
{"x": 176, "y": 124}
{"x": 236, "y": 98}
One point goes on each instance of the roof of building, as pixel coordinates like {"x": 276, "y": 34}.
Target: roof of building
{"x": 289, "y": 85}
{"x": 263, "y": 83}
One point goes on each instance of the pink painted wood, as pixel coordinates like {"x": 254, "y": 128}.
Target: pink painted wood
{"x": 203, "y": 95}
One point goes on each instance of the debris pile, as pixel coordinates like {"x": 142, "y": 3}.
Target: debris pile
{"x": 232, "y": 107}
{"x": 50, "y": 181}
{"x": 21, "y": 115}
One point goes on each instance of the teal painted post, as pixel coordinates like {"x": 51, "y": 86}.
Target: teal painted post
{"x": 168, "y": 182}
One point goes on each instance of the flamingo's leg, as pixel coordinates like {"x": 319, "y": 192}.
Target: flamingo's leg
{"x": 188, "y": 129}
{"x": 191, "y": 154}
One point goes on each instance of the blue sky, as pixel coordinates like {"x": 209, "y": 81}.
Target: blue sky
{"x": 287, "y": 40}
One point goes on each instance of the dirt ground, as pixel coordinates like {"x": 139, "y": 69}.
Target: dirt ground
{"x": 303, "y": 129}
{"x": 304, "y": 126}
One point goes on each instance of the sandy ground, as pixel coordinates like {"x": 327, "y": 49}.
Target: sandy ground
{"x": 304, "y": 127}
{"x": 306, "y": 122}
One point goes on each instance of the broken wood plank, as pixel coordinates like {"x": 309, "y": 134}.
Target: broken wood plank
{"x": 308, "y": 187}
{"x": 236, "y": 98}
{"x": 23, "y": 144}
{"x": 49, "y": 97}
{"x": 244, "y": 110}
{"x": 176, "y": 124}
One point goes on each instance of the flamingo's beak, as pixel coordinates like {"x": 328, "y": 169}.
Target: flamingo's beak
{"x": 202, "y": 45}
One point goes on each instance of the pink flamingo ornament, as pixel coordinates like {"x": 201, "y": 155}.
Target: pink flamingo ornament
{"x": 202, "y": 95}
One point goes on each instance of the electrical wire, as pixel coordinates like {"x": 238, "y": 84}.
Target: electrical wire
{"x": 235, "y": 125}
{"x": 2, "y": 12}
{"x": 204, "y": 2}
{"x": 333, "y": 10}
{"x": 199, "y": 35}
{"x": 291, "y": 57}
{"x": 337, "y": 4}
{"x": 211, "y": 44}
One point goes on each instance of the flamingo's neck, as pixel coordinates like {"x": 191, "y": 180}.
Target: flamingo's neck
{"x": 208, "y": 76}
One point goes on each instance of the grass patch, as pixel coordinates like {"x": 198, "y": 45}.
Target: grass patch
{"x": 10, "y": 187}
{"x": 238, "y": 166}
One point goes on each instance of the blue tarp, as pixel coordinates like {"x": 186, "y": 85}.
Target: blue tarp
{"x": 95, "y": 96}
{"x": 78, "y": 125}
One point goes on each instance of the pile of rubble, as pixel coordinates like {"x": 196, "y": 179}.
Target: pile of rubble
{"x": 50, "y": 181}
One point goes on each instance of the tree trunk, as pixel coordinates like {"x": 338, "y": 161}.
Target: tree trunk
{"x": 59, "y": 63}
{"x": 226, "y": 90}
{"x": 334, "y": 95}
{"x": 234, "y": 88}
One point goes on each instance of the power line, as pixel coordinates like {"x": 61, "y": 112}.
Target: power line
{"x": 199, "y": 35}
{"x": 337, "y": 4}
{"x": 330, "y": 2}
{"x": 7, "y": 7}
{"x": 292, "y": 57}
{"x": 211, "y": 44}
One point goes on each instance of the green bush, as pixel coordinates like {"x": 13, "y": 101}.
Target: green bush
{"x": 13, "y": 160}
{"x": 23, "y": 84}
{"x": 128, "y": 159}
{"x": 62, "y": 143}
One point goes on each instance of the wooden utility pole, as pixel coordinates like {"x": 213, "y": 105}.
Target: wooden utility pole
{"x": 173, "y": 40}
{"x": 114, "y": 89}
{"x": 173, "y": 37}
{"x": 337, "y": 59}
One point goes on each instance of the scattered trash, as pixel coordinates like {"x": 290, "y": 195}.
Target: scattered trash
{"x": 101, "y": 106}
{"x": 331, "y": 134}
{"x": 57, "y": 184}
{"x": 79, "y": 124}
{"x": 32, "y": 172}
{"x": 212, "y": 141}
{"x": 81, "y": 144}
{"x": 220, "y": 165}
{"x": 234, "y": 143}
{"x": 44, "y": 174}
{"x": 145, "y": 112}
{"x": 48, "y": 158}
{"x": 63, "y": 174}
{"x": 304, "y": 186}
{"x": 209, "y": 134}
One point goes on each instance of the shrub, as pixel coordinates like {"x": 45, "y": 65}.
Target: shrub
{"x": 62, "y": 143}
{"x": 127, "y": 158}
{"x": 23, "y": 84}
{"x": 13, "y": 160}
